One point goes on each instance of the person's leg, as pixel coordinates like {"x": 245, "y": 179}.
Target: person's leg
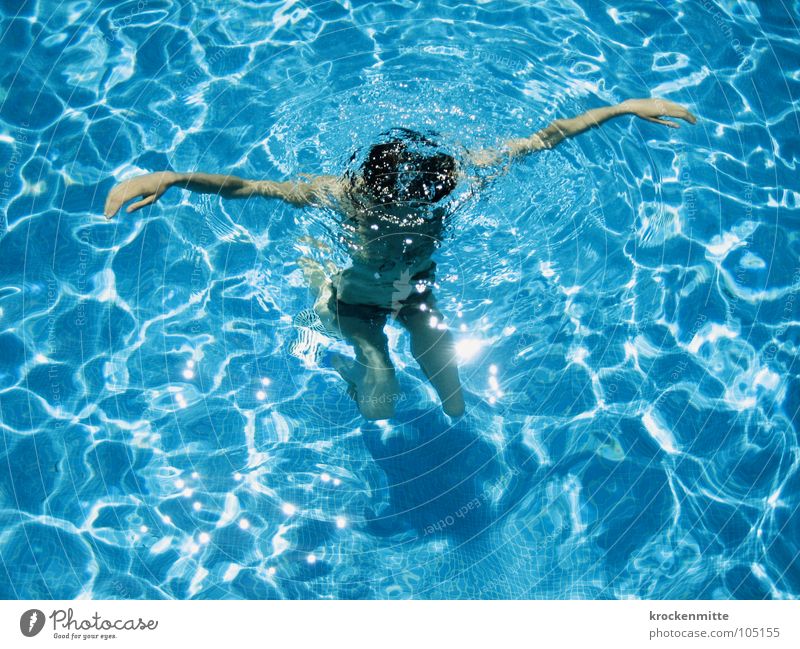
{"x": 317, "y": 279}
{"x": 372, "y": 378}
{"x": 434, "y": 350}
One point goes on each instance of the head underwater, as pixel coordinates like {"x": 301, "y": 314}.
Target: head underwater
{"x": 407, "y": 167}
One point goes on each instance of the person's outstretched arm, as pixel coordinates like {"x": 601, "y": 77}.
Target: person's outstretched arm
{"x": 650, "y": 109}
{"x": 150, "y": 187}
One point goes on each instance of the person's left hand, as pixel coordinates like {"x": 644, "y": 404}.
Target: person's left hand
{"x": 652, "y": 109}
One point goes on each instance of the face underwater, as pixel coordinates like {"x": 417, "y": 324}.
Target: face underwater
{"x": 408, "y": 167}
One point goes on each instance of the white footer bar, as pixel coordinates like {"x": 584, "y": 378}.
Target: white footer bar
{"x": 385, "y": 625}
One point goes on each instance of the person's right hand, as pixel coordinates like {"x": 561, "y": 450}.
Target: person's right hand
{"x": 148, "y": 186}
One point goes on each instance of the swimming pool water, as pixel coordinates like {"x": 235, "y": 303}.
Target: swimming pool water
{"x": 626, "y": 306}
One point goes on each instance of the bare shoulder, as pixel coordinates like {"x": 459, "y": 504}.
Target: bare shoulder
{"x": 305, "y": 190}
{"x": 324, "y": 190}
{"x": 330, "y": 185}
{"x": 507, "y": 150}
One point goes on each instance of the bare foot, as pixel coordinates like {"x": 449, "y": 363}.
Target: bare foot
{"x": 375, "y": 391}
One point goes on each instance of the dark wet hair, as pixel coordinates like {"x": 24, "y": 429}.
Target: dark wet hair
{"x": 408, "y": 166}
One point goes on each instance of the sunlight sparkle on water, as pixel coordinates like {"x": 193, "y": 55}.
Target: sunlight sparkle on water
{"x": 468, "y": 348}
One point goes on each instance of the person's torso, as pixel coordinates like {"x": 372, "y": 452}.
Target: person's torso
{"x": 391, "y": 252}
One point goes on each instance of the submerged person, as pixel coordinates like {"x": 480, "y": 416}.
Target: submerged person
{"x": 393, "y": 220}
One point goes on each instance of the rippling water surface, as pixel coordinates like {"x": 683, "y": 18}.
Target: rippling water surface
{"x": 626, "y": 306}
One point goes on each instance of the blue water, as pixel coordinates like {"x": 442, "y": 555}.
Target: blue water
{"x": 626, "y": 306}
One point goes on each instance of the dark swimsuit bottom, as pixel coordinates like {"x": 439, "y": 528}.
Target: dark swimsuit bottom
{"x": 377, "y": 313}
